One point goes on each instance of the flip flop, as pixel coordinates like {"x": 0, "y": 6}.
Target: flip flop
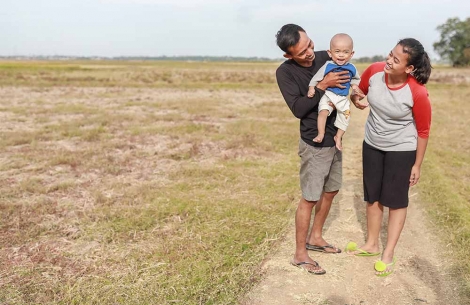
{"x": 380, "y": 266}
{"x": 301, "y": 265}
{"x": 352, "y": 247}
{"x": 322, "y": 248}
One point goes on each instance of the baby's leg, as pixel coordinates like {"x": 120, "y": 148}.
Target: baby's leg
{"x": 342, "y": 120}
{"x": 321, "y": 123}
{"x": 339, "y": 139}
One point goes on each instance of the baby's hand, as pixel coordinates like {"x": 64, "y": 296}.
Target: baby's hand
{"x": 355, "y": 89}
{"x": 311, "y": 91}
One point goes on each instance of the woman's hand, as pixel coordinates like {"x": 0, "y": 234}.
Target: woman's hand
{"x": 415, "y": 175}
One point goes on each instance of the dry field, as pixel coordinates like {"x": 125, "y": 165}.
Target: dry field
{"x": 163, "y": 182}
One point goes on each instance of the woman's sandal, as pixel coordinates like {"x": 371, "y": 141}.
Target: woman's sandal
{"x": 352, "y": 247}
{"x": 381, "y": 267}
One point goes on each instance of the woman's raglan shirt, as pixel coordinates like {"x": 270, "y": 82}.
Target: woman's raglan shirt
{"x": 397, "y": 115}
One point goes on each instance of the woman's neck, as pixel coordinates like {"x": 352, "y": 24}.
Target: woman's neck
{"x": 397, "y": 80}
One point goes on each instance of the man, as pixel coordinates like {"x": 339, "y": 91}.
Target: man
{"x": 321, "y": 163}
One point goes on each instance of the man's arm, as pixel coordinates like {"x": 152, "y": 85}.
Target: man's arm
{"x": 299, "y": 104}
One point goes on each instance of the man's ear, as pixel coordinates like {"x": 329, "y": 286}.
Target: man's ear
{"x": 288, "y": 56}
{"x": 329, "y": 53}
{"x": 352, "y": 54}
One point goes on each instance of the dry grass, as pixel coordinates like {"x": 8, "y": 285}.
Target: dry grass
{"x": 139, "y": 194}
{"x": 445, "y": 184}
{"x": 191, "y": 75}
{"x": 161, "y": 183}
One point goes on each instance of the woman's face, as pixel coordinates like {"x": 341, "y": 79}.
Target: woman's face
{"x": 397, "y": 62}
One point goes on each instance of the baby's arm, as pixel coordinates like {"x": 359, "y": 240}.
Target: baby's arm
{"x": 355, "y": 80}
{"x": 318, "y": 77}
{"x": 355, "y": 89}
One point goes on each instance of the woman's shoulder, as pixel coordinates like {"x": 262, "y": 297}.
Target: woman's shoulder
{"x": 377, "y": 67}
{"x": 418, "y": 90}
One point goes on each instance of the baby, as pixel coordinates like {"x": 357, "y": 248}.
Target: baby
{"x": 341, "y": 51}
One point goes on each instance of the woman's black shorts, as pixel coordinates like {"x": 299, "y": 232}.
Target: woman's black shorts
{"x": 386, "y": 176}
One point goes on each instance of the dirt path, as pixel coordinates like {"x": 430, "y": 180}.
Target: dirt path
{"x": 421, "y": 274}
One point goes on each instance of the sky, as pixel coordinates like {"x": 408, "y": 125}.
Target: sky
{"x": 244, "y": 28}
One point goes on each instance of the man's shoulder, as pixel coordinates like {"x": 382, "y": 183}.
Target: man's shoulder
{"x": 321, "y": 57}
{"x": 286, "y": 65}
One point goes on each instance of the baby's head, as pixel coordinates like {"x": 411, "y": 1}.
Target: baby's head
{"x": 341, "y": 48}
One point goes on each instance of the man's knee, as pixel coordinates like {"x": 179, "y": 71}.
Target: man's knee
{"x": 307, "y": 202}
{"x": 330, "y": 195}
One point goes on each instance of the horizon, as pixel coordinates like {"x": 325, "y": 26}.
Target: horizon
{"x": 237, "y": 28}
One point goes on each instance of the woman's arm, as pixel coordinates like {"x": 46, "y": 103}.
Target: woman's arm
{"x": 416, "y": 169}
{"x": 422, "y": 116}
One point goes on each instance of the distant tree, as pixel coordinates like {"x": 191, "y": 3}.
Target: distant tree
{"x": 455, "y": 41}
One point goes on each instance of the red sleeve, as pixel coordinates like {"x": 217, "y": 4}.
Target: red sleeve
{"x": 421, "y": 109}
{"x": 367, "y": 74}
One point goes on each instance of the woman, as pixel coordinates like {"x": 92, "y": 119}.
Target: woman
{"x": 396, "y": 136}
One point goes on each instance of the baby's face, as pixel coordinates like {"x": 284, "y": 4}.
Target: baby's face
{"x": 341, "y": 51}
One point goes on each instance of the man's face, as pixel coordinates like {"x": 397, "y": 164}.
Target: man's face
{"x": 302, "y": 52}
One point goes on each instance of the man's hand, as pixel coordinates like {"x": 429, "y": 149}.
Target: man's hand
{"x": 334, "y": 79}
{"x": 356, "y": 96}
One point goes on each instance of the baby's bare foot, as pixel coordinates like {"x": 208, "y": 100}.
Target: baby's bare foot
{"x": 338, "y": 142}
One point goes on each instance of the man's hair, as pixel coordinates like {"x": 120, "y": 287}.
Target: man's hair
{"x": 288, "y": 36}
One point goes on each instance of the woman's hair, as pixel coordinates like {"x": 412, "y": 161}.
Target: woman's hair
{"x": 418, "y": 58}
{"x": 288, "y": 36}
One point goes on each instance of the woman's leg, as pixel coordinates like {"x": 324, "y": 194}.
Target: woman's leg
{"x": 396, "y": 221}
{"x": 374, "y": 212}
{"x": 372, "y": 165}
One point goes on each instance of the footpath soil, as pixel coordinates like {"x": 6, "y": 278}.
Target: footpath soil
{"x": 422, "y": 272}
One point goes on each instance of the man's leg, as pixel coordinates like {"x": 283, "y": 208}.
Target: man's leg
{"x": 322, "y": 209}
{"x": 302, "y": 223}
{"x": 331, "y": 186}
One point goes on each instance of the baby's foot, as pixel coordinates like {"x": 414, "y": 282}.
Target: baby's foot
{"x": 318, "y": 138}
{"x": 339, "y": 145}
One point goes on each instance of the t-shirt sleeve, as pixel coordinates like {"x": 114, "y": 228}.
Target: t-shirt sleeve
{"x": 364, "y": 83}
{"x": 356, "y": 78}
{"x": 421, "y": 110}
{"x": 318, "y": 77}
{"x": 365, "y": 77}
